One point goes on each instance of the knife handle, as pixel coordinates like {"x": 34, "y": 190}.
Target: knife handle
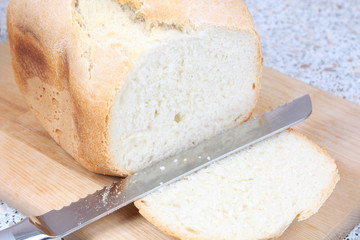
{"x": 22, "y": 231}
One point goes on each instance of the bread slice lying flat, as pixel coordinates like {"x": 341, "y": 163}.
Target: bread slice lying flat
{"x": 253, "y": 194}
{"x": 121, "y": 84}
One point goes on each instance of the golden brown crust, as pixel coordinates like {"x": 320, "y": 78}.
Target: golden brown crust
{"x": 42, "y": 74}
{"x": 231, "y": 14}
{"x": 70, "y": 98}
{"x": 144, "y": 210}
{"x": 69, "y": 84}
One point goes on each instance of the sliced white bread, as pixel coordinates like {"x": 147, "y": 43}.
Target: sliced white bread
{"x": 253, "y": 194}
{"x": 121, "y": 84}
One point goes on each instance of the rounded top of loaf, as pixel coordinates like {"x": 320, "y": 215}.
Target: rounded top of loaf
{"x": 231, "y": 14}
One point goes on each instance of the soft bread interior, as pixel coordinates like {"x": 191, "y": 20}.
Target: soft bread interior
{"x": 181, "y": 93}
{"x": 185, "y": 85}
{"x": 253, "y": 194}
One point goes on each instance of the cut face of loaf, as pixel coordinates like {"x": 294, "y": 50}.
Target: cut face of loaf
{"x": 181, "y": 93}
{"x": 121, "y": 84}
{"x": 253, "y": 194}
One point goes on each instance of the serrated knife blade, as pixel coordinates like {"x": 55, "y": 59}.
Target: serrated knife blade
{"x": 59, "y": 223}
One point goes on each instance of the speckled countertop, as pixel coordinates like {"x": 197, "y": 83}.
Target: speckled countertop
{"x": 314, "y": 41}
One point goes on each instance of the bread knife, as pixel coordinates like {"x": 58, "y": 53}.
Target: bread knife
{"x": 60, "y": 223}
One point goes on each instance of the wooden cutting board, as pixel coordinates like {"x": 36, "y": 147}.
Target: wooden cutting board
{"x": 36, "y": 175}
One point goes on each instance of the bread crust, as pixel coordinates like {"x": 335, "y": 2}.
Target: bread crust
{"x": 231, "y": 14}
{"x": 70, "y": 90}
{"x": 326, "y": 194}
{"x": 144, "y": 211}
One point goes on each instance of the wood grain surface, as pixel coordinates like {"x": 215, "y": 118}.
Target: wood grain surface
{"x": 36, "y": 175}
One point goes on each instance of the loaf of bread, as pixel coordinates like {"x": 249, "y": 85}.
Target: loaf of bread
{"x": 121, "y": 84}
{"x": 253, "y": 194}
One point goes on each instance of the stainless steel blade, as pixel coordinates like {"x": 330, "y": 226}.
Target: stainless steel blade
{"x": 59, "y": 223}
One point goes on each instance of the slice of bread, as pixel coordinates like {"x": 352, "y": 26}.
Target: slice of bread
{"x": 121, "y": 84}
{"x": 253, "y": 194}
